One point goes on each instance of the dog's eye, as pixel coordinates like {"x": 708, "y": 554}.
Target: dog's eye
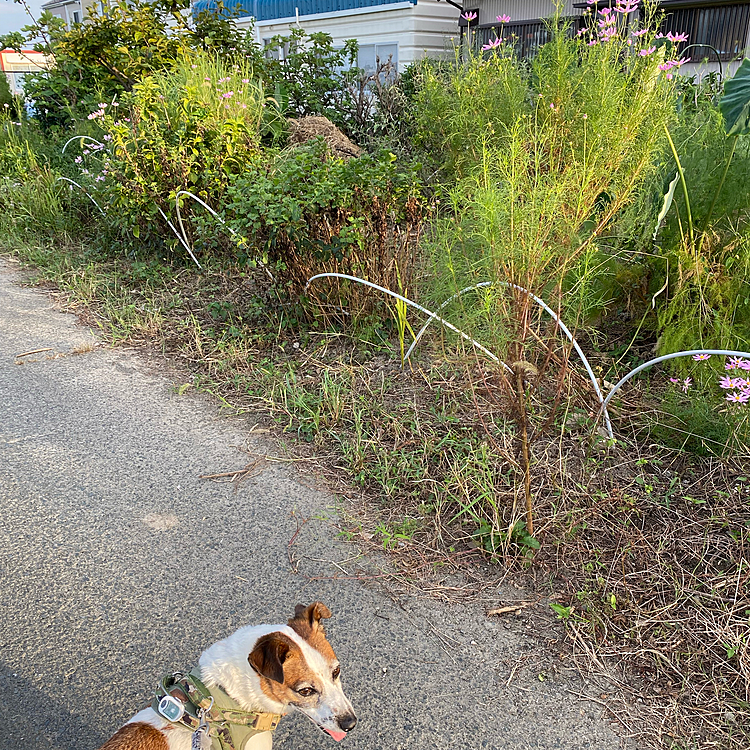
{"x": 306, "y": 692}
{"x": 336, "y": 673}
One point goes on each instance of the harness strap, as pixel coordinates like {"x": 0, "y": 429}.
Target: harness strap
{"x": 219, "y": 709}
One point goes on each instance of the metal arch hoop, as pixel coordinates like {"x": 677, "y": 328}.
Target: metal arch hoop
{"x": 86, "y": 192}
{"x": 81, "y": 138}
{"x": 208, "y": 208}
{"x": 664, "y": 358}
{"x": 407, "y": 301}
{"x": 555, "y": 317}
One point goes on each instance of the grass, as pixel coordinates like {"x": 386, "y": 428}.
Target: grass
{"x": 647, "y": 551}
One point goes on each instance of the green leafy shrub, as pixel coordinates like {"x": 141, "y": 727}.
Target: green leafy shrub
{"x": 313, "y": 75}
{"x": 705, "y": 255}
{"x": 571, "y": 141}
{"x": 6, "y": 98}
{"x": 307, "y": 212}
{"x": 192, "y": 128}
{"x": 121, "y": 42}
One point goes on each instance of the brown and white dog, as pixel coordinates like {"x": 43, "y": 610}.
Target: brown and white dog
{"x": 269, "y": 668}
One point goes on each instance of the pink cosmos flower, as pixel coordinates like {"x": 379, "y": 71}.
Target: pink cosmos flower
{"x": 640, "y": 33}
{"x": 647, "y": 52}
{"x": 492, "y": 44}
{"x": 674, "y": 380}
{"x": 677, "y": 37}
{"x": 228, "y": 95}
{"x": 726, "y": 382}
{"x": 686, "y": 384}
{"x": 701, "y": 357}
{"x": 738, "y": 398}
{"x": 469, "y": 16}
{"x": 504, "y": 19}
{"x": 625, "y": 6}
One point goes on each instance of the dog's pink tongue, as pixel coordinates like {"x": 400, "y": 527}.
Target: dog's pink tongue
{"x": 338, "y": 736}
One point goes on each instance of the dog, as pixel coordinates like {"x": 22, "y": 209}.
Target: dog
{"x": 242, "y": 687}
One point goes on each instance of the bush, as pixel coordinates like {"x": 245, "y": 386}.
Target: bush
{"x": 119, "y": 45}
{"x": 6, "y": 98}
{"x": 188, "y": 129}
{"x": 307, "y": 212}
{"x": 568, "y": 143}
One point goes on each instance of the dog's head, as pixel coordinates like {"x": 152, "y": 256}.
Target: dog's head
{"x": 301, "y": 670}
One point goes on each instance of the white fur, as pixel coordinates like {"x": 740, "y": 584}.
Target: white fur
{"x": 226, "y": 664}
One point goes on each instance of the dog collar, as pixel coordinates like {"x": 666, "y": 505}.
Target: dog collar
{"x": 229, "y": 724}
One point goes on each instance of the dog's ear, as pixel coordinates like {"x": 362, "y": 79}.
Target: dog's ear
{"x": 310, "y": 616}
{"x": 269, "y": 654}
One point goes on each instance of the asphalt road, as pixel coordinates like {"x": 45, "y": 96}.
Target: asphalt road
{"x": 119, "y": 564}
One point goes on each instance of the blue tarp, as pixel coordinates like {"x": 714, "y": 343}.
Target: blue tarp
{"x": 266, "y": 10}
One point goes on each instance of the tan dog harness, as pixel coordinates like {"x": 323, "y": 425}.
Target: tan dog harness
{"x": 229, "y": 725}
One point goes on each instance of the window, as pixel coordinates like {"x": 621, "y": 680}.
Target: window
{"x": 723, "y": 27}
{"x": 76, "y": 16}
{"x": 271, "y": 52}
{"x": 369, "y": 55}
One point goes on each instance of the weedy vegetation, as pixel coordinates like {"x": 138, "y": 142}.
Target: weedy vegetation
{"x": 158, "y": 193}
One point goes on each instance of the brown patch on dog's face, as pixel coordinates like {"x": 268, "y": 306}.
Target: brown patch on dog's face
{"x": 300, "y": 669}
{"x": 306, "y": 623}
{"x": 282, "y": 667}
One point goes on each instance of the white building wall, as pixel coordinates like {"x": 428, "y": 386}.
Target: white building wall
{"x": 65, "y": 10}
{"x": 422, "y": 29}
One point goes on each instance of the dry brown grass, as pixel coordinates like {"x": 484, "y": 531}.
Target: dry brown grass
{"x": 649, "y": 548}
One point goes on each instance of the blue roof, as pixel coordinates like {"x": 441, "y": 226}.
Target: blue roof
{"x": 266, "y": 10}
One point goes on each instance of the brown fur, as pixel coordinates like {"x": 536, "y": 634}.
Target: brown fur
{"x": 136, "y": 736}
{"x": 278, "y": 659}
{"x": 280, "y": 664}
{"x": 306, "y": 623}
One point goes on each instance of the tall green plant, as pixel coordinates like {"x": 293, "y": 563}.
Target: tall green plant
{"x": 709, "y": 288}
{"x": 192, "y": 128}
{"x": 539, "y": 185}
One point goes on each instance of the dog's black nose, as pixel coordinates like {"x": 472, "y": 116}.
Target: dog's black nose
{"x": 347, "y": 722}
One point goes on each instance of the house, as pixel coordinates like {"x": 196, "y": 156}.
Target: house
{"x": 403, "y": 30}
{"x": 718, "y": 31}
{"x": 16, "y": 65}
{"x": 70, "y": 11}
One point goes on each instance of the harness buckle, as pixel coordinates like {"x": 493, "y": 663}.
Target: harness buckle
{"x": 171, "y": 708}
{"x": 266, "y": 722}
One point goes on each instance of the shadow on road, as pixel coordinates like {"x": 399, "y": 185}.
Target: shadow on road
{"x": 36, "y": 719}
